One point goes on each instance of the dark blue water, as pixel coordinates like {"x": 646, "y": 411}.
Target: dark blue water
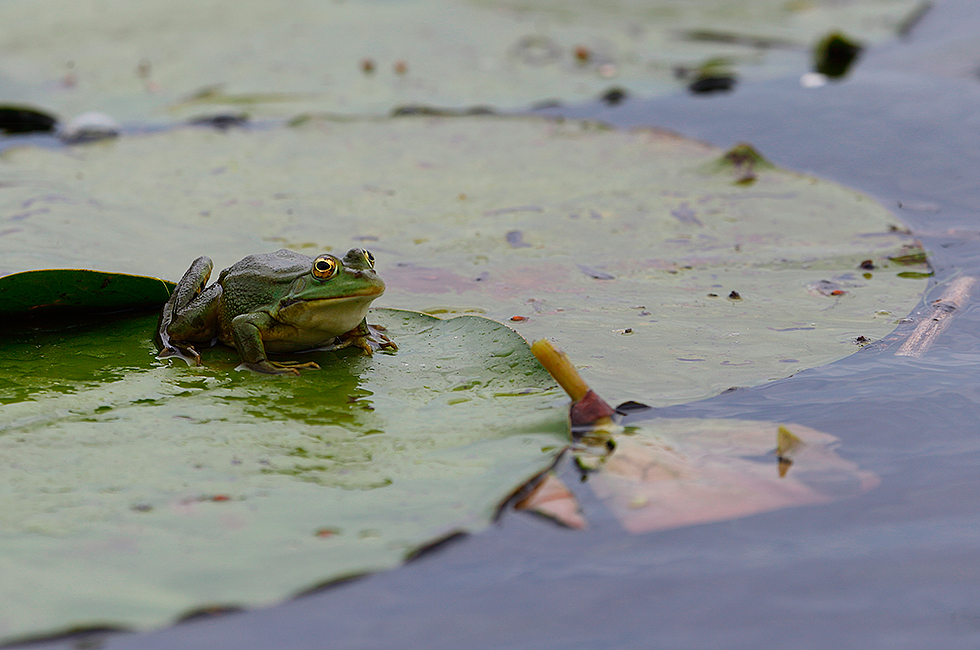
{"x": 898, "y": 567}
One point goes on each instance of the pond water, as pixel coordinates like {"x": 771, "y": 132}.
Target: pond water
{"x": 897, "y": 567}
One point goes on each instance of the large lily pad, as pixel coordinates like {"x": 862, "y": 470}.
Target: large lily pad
{"x": 154, "y": 60}
{"x": 681, "y": 271}
{"x": 134, "y": 491}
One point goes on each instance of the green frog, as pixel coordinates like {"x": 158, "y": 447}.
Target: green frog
{"x": 273, "y": 303}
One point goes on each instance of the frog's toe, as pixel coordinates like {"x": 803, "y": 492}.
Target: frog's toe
{"x": 374, "y": 341}
{"x": 185, "y": 352}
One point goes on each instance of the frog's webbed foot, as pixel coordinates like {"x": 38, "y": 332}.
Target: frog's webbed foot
{"x": 267, "y": 367}
{"x": 180, "y": 351}
{"x": 369, "y": 338}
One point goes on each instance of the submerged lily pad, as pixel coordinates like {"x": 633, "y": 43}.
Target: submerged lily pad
{"x": 134, "y": 492}
{"x": 649, "y": 253}
{"x": 155, "y": 60}
{"x": 667, "y": 473}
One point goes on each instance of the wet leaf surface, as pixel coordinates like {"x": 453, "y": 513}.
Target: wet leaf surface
{"x": 135, "y": 492}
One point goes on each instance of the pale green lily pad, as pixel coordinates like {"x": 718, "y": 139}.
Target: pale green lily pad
{"x": 163, "y": 59}
{"x": 135, "y": 491}
{"x": 625, "y": 247}
{"x": 667, "y": 473}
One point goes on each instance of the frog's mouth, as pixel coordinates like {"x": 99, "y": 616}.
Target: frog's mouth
{"x": 370, "y": 293}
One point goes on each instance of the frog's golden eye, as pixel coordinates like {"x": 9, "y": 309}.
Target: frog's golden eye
{"x": 369, "y": 257}
{"x": 325, "y": 267}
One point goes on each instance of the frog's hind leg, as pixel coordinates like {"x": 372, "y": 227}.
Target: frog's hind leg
{"x": 197, "y": 323}
{"x": 190, "y": 314}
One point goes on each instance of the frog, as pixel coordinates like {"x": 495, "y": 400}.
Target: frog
{"x": 275, "y": 303}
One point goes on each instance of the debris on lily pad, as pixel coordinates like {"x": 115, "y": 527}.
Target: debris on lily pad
{"x": 834, "y": 55}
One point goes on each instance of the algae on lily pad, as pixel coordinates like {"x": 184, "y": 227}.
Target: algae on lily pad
{"x": 134, "y": 491}
{"x": 153, "y": 61}
{"x": 677, "y": 270}
{"x": 666, "y": 473}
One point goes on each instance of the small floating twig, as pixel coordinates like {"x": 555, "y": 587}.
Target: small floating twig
{"x": 943, "y": 310}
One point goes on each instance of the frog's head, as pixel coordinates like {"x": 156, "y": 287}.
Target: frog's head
{"x": 333, "y": 295}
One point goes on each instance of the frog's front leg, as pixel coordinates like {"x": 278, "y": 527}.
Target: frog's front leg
{"x": 368, "y": 338}
{"x": 190, "y": 314}
{"x": 246, "y": 329}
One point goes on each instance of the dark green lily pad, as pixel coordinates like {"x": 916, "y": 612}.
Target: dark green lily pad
{"x": 79, "y": 289}
{"x": 136, "y": 491}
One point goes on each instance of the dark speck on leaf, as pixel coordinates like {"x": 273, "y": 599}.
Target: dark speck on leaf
{"x": 734, "y": 295}
{"x": 867, "y": 265}
{"x": 516, "y": 239}
{"x": 595, "y": 274}
{"x": 712, "y": 84}
{"x": 222, "y": 122}
{"x": 614, "y": 96}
